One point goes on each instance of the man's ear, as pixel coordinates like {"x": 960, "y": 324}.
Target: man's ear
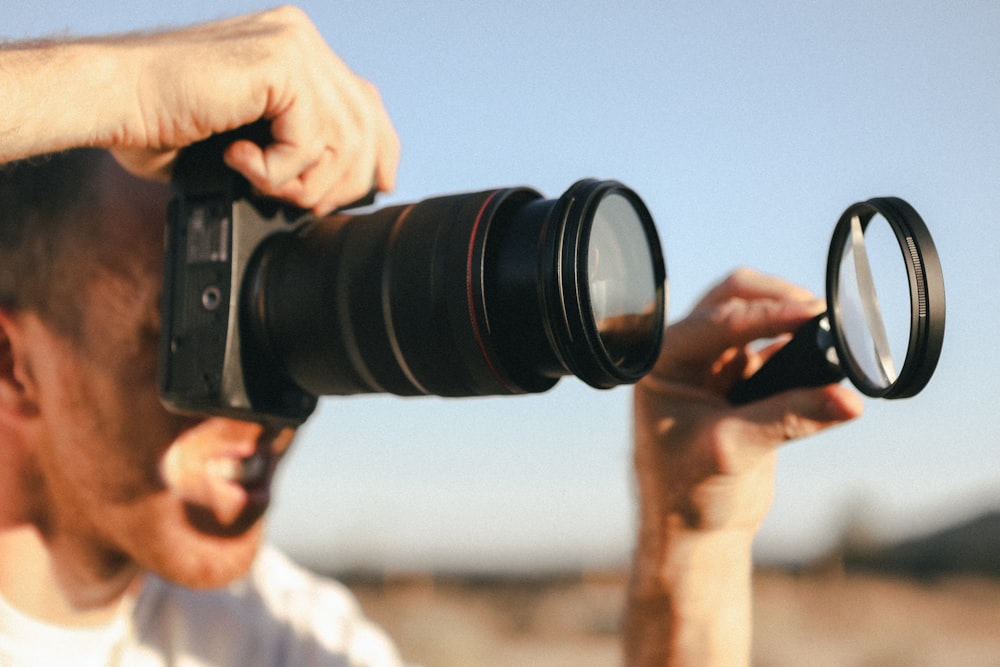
{"x": 17, "y": 386}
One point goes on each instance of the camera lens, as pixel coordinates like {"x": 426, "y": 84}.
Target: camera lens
{"x": 495, "y": 292}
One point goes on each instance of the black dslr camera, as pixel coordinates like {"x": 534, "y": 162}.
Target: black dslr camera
{"x": 265, "y": 307}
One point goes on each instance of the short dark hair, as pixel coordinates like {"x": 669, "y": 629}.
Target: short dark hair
{"x": 44, "y": 202}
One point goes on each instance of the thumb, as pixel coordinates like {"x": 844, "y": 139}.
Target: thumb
{"x": 149, "y": 164}
{"x": 801, "y": 412}
{"x": 272, "y": 168}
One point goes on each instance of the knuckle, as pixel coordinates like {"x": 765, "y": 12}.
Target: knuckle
{"x": 719, "y": 446}
{"x": 309, "y": 197}
{"x": 728, "y": 315}
{"x": 792, "y": 426}
{"x": 392, "y": 146}
{"x": 358, "y": 181}
{"x": 371, "y": 91}
{"x": 737, "y": 280}
{"x": 290, "y": 14}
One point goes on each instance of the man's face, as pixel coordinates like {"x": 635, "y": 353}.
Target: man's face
{"x": 123, "y": 480}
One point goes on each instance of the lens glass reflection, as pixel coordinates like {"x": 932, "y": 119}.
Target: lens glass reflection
{"x": 623, "y": 290}
{"x": 874, "y": 301}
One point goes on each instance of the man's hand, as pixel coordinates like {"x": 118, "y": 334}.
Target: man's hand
{"x": 333, "y": 140}
{"x": 705, "y": 470}
{"x": 700, "y": 458}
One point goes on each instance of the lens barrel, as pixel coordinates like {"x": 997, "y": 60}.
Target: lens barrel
{"x": 495, "y": 292}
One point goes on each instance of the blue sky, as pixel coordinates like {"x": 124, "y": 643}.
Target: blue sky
{"x": 747, "y": 128}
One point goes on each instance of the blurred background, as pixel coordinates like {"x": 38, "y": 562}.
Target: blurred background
{"x": 747, "y": 128}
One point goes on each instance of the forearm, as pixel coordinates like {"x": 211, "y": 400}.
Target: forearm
{"x": 689, "y": 599}
{"x": 147, "y": 96}
{"x": 60, "y": 95}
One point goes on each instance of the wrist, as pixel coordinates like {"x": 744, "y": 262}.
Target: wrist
{"x": 669, "y": 554}
{"x": 689, "y": 596}
{"x": 61, "y": 93}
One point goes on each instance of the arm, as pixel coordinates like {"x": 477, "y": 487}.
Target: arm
{"x": 144, "y": 96}
{"x": 705, "y": 472}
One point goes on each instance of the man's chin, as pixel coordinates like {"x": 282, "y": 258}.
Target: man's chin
{"x": 213, "y": 559}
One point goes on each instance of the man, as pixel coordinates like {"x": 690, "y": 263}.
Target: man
{"x": 101, "y": 484}
{"x": 129, "y": 535}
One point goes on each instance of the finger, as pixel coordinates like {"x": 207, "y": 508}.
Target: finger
{"x": 275, "y": 169}
{"x": 314, "y": 185}
{"x": 798, "y": 413}
{"x": 387, "y": 160}
{"x": 747, "y": 283}
{"x": 153, "y": 165}
{"x": 754, "y": 359}
{"x": 708, "y": 332}
{"x": 247, "y": 158}
{"x": 317, "y": 188}
{"x": 353, "y": 191}
{"x": 352, "y": 186}
{"x": 386, "y": 141}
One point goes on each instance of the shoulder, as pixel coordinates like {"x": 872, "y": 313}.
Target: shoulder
{"x": 293, "y": 592}
{"x": 280, "y": 613}
{"x": 314, "y": 605}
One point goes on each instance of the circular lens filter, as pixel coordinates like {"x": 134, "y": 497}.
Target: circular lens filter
{"x": 886, "y": 298}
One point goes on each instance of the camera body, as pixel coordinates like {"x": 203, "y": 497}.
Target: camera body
{"x": 214, "y": 228}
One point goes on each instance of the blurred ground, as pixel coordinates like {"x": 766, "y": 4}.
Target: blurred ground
{"x": 927, "y": 601}
{"x": 499, "y": 622}
{"x": 816, "y": 618}
{"x": 871, "y": 620}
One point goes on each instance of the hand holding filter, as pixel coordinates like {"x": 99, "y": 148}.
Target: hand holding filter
{"x": 884, "y": 325}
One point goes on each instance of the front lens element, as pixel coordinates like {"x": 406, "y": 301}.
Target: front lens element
{"x": 623, "y": 283}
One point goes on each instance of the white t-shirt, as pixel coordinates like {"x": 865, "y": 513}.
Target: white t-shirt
{"x": 280, "y": 615}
